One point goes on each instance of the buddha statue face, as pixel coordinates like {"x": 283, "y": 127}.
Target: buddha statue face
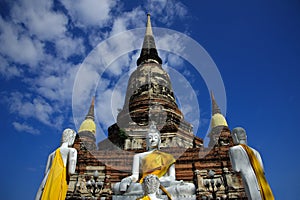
{"x": 153, "y": 138}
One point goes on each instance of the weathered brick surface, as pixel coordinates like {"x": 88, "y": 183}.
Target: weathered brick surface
{"x": 189, "y": 161}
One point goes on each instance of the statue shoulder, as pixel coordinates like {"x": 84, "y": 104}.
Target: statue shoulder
{"x": 167, "y": 156}
{"x": 237, "y": 152}
{"x": 72, "y": 150}
{"x": 141, "y": 155}
{"x": 235, "y": 148}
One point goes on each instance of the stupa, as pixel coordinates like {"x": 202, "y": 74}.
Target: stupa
{"x": 150, "y": 97}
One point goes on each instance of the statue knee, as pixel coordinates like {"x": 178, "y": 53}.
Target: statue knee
{"x": 184, "y": 189}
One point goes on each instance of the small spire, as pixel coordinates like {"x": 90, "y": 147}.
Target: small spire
{"x": 90, "y": 114}
{"x": 88, "y": 125}
{"x": 215, "y": 107}
{"x": 217, "y": 118}
{"x": 149, "y": 51}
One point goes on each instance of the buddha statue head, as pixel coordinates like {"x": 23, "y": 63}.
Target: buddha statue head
{"x": 153, "y": 137}
{"x": 239, "y": 136}
{"x": 151, "y": 184}
{"x": 68, "y": 136}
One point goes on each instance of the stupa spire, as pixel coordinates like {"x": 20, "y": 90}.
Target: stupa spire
{"x": 91, "y": 113}
{"x": 149, "y": 27}
{"x": 149, "y": 51}
{"x": 217, "y": 118}
{"x": 89, "y": 124}
{"x": 215, "y": 107}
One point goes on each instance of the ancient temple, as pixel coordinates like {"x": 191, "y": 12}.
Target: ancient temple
{"x": 150, "y": 97}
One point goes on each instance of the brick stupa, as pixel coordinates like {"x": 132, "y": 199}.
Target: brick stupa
{"x": 150, "y": 97}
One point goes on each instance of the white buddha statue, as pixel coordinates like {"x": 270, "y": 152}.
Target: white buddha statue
{"x": 151, "y": 186}
{"x": 60, "y": 162}
{"x": 248, "y": 162}
{"x": 154, "y": 162}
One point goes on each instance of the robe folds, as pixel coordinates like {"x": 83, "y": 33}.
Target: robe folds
{"x": 56, "y": 185}
{"x": 265, "y": 190}
{"x": 156, "y": 163}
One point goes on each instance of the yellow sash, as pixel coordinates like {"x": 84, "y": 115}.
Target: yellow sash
{"x": 144, "y": 198}
{"x": 156, "y": 163}
{"x": 265, "y": 190}
{"x": 56, "y": 185}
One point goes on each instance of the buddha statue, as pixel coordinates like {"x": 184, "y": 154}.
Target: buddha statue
{"x": 155, "y": 162}
{"x": 248, "y": 162}
{"x": 60, "y": 162}
{"x": 151, "y": 186}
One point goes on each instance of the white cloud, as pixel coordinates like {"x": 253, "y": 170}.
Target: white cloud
{"x": 112, "y": 54}
{"x": 96, "y": 36}
{"x": 90, "y": 12}
{"x": 8, "y": 71}
{"x": 57, "y": 88}
{"x": 17, "y": 46}
{"x": 25, "y": 128}
{"x": 166, "y": 41}
{"x": 115, "y": 98}
{"x": 84, "y": 88}
{"x": 104, "y": 110}
{"x": 27, "y": 106}
{"x": 67, "y": 46}
{"x": 135, "y": 18}
{"x": 31, "y": 24}
{"x": 49, "y": 77}
{"x": 175, "y": 61}
{"x": 166, "y": 10}
{"x": 119, "y": 23}
{"x": 40, "y": 19}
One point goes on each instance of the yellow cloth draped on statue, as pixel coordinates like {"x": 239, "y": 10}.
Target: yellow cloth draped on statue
{"x": 265, "y": 190}
{"x": 156, "y": 163}
{"x": 56, "y": 185}
{"x": 144, "y": 198}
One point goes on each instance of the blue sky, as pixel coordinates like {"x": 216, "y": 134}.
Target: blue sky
{"x": 255, "y": 45}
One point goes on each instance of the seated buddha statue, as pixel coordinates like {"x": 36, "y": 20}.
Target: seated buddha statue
{"x": 155, "y": 162}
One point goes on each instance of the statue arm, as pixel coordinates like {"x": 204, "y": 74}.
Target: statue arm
{"x": 135, "y": 168}
{"x": 125, "y": 182}
{"x": 234, "y": 158}
{"x": 49, "y": 162}
{"x": 170, "y": 176}
{"x": 72, "y": 160}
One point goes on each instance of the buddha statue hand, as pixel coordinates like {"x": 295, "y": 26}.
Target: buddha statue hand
{"x": 125, "y": 183}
